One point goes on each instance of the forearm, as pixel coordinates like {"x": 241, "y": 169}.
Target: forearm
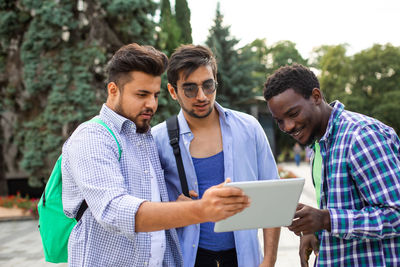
{"x": 271, "y": 241}
{"x": 370, "y": 223}
{"x": 155, "y": 216}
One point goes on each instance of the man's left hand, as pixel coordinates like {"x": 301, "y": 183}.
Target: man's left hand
{"x": 308, "y": 220}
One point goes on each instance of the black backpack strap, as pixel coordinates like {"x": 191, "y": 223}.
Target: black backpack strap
{"x": 173, "y": 134}
{"x": 81, "y": 210}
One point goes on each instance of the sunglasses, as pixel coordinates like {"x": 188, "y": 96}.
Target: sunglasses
{"x": 191, "y": 90}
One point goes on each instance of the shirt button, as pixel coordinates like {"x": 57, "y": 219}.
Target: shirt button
{"x": 195, "y": 183}
{"x": 145, "y": 263}
{"x": 194, "y": 246}
{"x": 146, "y": 171}
{"x": 185, "y": 142}
{"x": 190, "y": 134}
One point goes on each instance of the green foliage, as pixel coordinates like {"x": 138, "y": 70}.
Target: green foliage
{"x": 170, "y": 34}
{"x": 367, "y": 82}
{"x": 61, "y": 49}
{"x": 335, "y": 69}
{"x": 235, "y": 67}
{"x": 182, "y": 13}
{"x": 284, "y": 53}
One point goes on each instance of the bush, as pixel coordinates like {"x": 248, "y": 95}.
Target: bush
{"x": 26, "y": 203}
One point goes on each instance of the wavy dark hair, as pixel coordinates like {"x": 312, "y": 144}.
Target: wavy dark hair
{"x": 188, "y": 58}
{"x": 297, "y": 77}
{"x": 134, "y": 57}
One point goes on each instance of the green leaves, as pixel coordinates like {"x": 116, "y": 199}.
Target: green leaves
{"x": 63, "y": 51}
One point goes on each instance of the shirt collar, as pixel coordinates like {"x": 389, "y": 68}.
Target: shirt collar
{"x": 184, "y": 127}
{"x": 116, "y": 119}
{"x": 337, "y": 110}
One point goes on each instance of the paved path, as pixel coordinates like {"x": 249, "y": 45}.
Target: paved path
{"x": 289, "y": 243}
{"x": 20, "y": 243}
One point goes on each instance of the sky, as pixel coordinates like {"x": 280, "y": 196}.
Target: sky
{"x": 308, "y": 23}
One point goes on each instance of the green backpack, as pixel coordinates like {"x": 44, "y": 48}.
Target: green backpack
{"x": 54, "y": 226}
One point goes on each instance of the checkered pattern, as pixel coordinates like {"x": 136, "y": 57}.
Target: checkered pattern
{"x": 114, "y": 190}
{"x": 361, "y": 190}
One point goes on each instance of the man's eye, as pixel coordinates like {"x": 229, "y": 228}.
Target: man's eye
{"x": 208, "y": 84}
{"x": 190, "y": 88}
{"x": 294, "y": 114}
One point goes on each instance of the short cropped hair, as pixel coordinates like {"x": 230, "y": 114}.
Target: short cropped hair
{"x": 134, "y": 57}
{"x": 297, "y": 77}
{"x": 188, "y": 58}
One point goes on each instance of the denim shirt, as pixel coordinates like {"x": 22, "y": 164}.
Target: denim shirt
{"x": 247, "y": 157}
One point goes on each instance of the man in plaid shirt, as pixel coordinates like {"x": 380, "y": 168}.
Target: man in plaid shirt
{"x": 358, "y": 223}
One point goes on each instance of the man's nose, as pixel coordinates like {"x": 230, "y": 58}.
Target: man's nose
{"x": 288, "y": 126}
{"x": 200, "y": 94}
{"x": 152, "y": 103}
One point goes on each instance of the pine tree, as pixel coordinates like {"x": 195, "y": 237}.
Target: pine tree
{"x": 170, "y": 34}
{"x": 235, "y": 68}
{"x": 54, "y": 55}
{"x": 182, "y": 14}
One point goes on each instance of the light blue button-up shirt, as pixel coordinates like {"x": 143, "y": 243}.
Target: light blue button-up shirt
{"x": 114, "y": 190}
{"x": 247, "y": 157}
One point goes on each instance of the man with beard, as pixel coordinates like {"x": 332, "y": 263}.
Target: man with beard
{"x": 215, "y": 143}
{"x": 128, "y": 212}
{"x": 358, "y": 220}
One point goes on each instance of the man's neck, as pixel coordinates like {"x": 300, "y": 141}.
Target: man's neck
{"x": 325, "y": 116}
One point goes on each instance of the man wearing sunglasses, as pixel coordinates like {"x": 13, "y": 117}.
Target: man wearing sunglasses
{"x": 216, "y": 143}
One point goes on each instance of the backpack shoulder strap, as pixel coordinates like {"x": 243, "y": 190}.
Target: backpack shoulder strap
{"x": 99, "y": 121}
{"x": 84, "y": 205}
{"x": 173, "y": 134}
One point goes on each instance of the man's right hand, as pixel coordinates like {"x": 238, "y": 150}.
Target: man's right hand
{"x": 308, "y": 244}
{"x": 219, "y": 202}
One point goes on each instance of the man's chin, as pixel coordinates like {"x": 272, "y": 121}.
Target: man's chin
{"x": 143, "y": 127}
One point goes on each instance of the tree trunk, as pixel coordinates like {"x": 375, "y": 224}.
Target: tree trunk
{"x": 3, "y": 181}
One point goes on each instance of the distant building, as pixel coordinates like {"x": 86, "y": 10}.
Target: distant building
{"x": 257, "y": 107}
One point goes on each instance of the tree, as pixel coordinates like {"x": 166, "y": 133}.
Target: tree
{"x": 182, "y": 13}
{"x": 335, "y": 69}
{"x": 170, "y": 33}
{"x": 367, "y": 82}
{"x": 257, "y": 52}
{"x": 374, "y": 85}
{"x": 54, "y": 53}
{"x": 283, "y": 53}
{"x": 235, "y": 68}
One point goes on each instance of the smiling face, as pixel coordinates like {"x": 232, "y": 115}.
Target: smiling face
{"x": 137, "y": 100}
{"x": 297, "y": 116}
{"x": 202, "y": 104}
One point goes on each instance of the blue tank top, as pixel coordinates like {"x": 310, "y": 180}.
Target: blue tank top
{"x": 210, "y": 171}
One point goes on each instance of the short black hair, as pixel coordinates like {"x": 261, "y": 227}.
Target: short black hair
{"x": 297, "y": 77}
{"x": 134, "y": 57}
{"x": 188, "y": 58}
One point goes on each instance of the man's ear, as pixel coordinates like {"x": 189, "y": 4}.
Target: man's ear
{"x": 172, "y": 91}
{"x": 316, "y": 96}
{"x": 112, "y": 89}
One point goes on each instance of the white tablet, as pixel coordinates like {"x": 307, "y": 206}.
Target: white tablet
{"x": 273, "y": 204}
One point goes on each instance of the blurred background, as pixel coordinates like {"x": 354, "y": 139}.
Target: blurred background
{"x": 53, "y": 57}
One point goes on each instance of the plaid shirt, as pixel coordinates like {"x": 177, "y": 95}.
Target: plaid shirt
{"x": 361, "y": 190}
{"x": 113, "y": 190}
